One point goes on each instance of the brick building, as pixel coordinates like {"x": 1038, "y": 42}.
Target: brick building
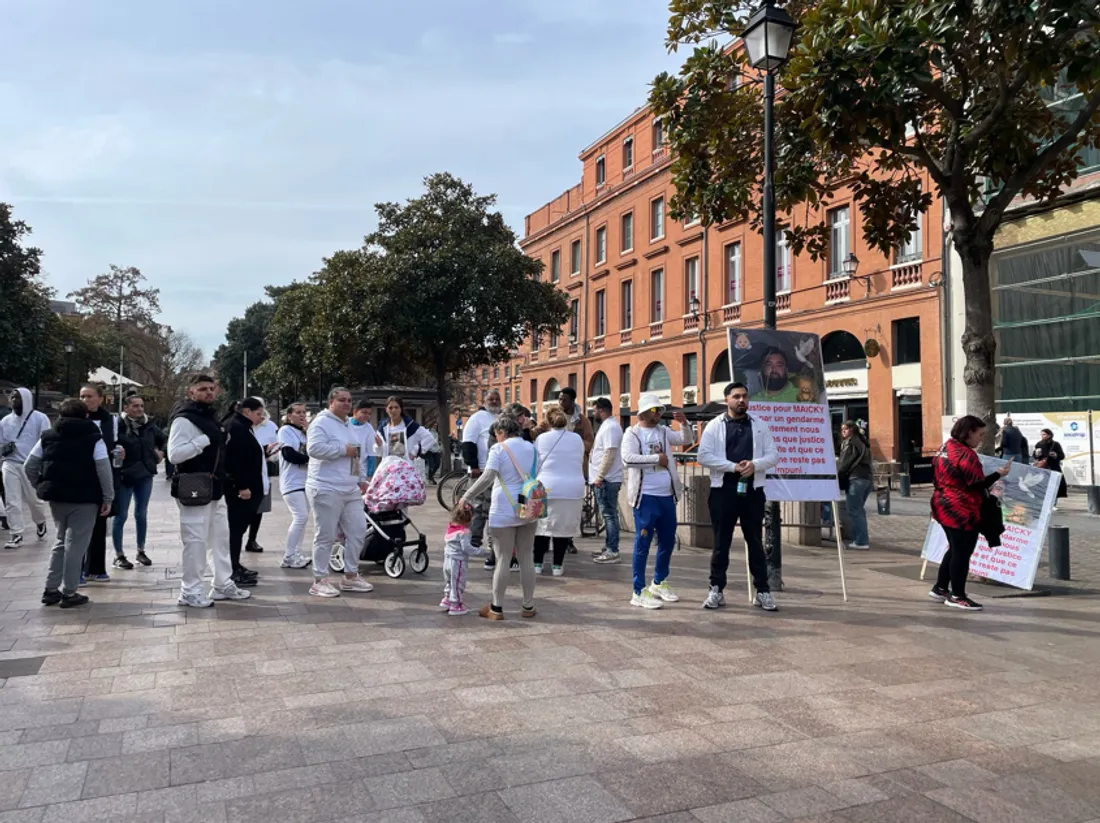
{"x": 652, "y": 299}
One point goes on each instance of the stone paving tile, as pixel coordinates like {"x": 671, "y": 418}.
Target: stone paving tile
{"x": 54, "y": 784}
{"x": 739, "y": 811}
{"x": 408, "y": 788}
{"x": 12, "y": 785}
{"x": 486, "y": 807}
{"x": 127, "y": 773}
{"x": 573, "y": 800}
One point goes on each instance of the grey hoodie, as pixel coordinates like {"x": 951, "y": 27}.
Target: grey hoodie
{"x": 10, "y": 427}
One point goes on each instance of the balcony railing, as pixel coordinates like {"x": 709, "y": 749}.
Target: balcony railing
{"x": 905, "y": 276}
{"x": 731, "y": 313}
{"x": 691, "y": 322}
{"x": 572, "y": 348}
{"x": 597, "y": 343}
{"x": 783, "y": 302}
{"x": 552, "y": 353}
{"x": 656, "y": 330}
{"x": 625, "y": 336}
{"x": 837, "y": 291}
{"x": 535, "y": 356}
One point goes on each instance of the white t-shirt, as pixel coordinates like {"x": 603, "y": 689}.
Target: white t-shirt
{"x": 266, "y": 433}
{"x": 501, "y": 513}
{"x": 561, "y": 461}
{"x": 365, "y": 432}
{"x": 292, "y": 476}
{"x": 656, "y": 480}
{"x": 609, "y": 436}
{"x": 477, "y": 431}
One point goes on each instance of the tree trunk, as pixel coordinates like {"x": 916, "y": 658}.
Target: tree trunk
{"x": 444, "y": 422}
{"x": 978, "y": 343}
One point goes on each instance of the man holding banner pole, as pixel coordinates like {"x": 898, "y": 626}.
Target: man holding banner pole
{"x": 739, "y": 450}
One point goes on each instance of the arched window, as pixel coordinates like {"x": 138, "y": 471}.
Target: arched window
{"x": 656, "y": 378}
{"x": 599, "y": 386}
{"x": 841, "y": 347}
{"x": 552, "y": 390}
{"x": 720, "y": 372}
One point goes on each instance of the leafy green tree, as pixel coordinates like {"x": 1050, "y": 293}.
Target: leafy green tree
{"x": 25, "y": 316}
{"x": 289, "y": 369}
{"x": 453, "y": 286}
{"x": 877, "y": 93}
{"x": 244, "y": 336}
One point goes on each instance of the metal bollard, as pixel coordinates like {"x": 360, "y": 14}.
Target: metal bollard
{"x": 1058, "y": 552}
{"x": 904, "y": 487}
{"x": 1094, "y": 499}
{"x": 884, "y": 500}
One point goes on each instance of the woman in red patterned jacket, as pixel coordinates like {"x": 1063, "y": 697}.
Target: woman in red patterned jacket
{"x": 960, "y": 486}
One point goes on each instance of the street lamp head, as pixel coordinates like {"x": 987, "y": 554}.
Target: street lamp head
{"x": 114, "y": 379}
{"x": 767, "y": 37}
{"x": 851, "y": 265}
{"x": 69, "y": 347}
{"x": 693, "y": 306}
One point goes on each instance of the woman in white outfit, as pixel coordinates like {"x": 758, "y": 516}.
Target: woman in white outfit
{"x": 400, "y": 435}
{"x": 561, "y": 460}
{"x": 335, "y": 482}
{"x": 293, "y": 462}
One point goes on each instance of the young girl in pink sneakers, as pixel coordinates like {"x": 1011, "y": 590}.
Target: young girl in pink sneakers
{"x": 457, "y": 552}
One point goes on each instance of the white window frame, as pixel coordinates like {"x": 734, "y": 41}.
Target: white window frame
{"x": 657, "y": 296}
{"x": 601, "y": 244}
{"x": 601, "y": 166}
{"x": 555, "y": 266}
{"x": 624, "y": 249}
{"x": 840, "y": 240}
{"x": 656, "y": 215}
{"x": 691, "y": 282}
{"x": 658, "y": 132}
{"x": 626, "y": 295}
{"x": 574, "y": 320}
{"x": 912, "y": 251}
{"x": 732, "y": 288}
{"x": 628, "y": 141}
{"x": 601, "y": 313}
{"x": 575, "y": 262}
{"x": 783, "y": 263}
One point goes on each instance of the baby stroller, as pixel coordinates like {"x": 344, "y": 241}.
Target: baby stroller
{"x": 395, "y": 486}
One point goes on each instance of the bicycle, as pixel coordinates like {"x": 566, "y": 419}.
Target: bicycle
{"x": 592, "y": 524}
{"x": 451, "y": 487}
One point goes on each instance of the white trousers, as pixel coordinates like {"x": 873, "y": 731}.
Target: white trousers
{"x": 204, "y": 529}
{"x": 17, "y": 490}
{"x": 298, "y": 504}
{"x": 335, "y": 512}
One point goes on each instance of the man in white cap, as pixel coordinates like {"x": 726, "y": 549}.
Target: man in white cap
{"x": 653, "y": 487}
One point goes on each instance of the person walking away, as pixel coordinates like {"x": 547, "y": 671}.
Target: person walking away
{"x": 70, "y": 468}
{"x": 738, "y": 449}
{"x": 293, "y": 462}
{"x": 1011, "y": 441}
{"x": 510, "y": 464}
{"x": 267, "y": 434}
{"x": 246, "y": 480}
{"x": 335, "y": 483}
{"x": 653, "y": 488}
{"x": 561, "y": 472}
{"x": 433, "y": 456}
{"x": 579, "y": 423}
{"x": 196, "y": 447}
{"x": 457, "y": 551}
{"x": 960, "y": 486}
{"x": 605, "y": 470}
{"x": 19, "y": 431}
{"x": 361, "y": 424}
{"x": 143, "y": 444}
{"x": 1049, "y": 455}
{"x": 475, "y": 453}
{"x": 855, "y": 471}
{"x": 95, "y": 561}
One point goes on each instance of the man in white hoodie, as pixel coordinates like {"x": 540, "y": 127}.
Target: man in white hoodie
{"x": 19, "y": 432}
{"x": 739, "y": 450}
{"x": 335, "y": 483}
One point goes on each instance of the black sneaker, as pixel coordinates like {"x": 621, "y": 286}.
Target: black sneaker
{"x": 242, "y": 581}
{"x": 41, "y": 530}
{"x": 939, "y": 594}
{"x": 490, "y": 563}
{"x": 964, "y": 603}
{"x": 571, "y": 548}
{"x": 122, "y": 563}
{"x": 14, "y": 542}
{"x": 254, "y": 547}
{"x": 245, "y": 572}
{"x": 51, "y": 597}
{"x": 71, "y": 601}
{"x": 143, "y": 558}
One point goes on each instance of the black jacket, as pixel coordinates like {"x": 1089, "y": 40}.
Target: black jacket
{"x": 68, "y": 463}
{"x": 244, "y": 459}
{"x": 855, "y": 459}
{"x": 141, "y": 447}
{"x": 212, "y": 459}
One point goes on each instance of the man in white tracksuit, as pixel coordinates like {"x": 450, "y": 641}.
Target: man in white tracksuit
{"x": 335, "y": 483}
{"x": 19, "y": 432}
{"x": 196, "y": 445}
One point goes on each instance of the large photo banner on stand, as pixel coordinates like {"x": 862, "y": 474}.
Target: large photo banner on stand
{"x": 1027, "y": 496}
{"x": 786, "y": 382}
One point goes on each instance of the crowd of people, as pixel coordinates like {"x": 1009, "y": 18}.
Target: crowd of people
{"x": 525, "y": 499}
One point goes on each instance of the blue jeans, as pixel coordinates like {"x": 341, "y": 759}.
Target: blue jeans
{"x": 858, "y": 491}
{"x": 140, "y": 494}
{"x": 607, "y": 498}
{"x": 654, "y": 514}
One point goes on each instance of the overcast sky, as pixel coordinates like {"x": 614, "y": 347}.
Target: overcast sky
{"x": 221, "y": 145}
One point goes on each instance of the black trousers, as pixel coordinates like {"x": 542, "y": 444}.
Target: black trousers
{"x": 955, "y": 565}
{"x": 542, "y": 545}
{"x": 254, "y": 528}
{"x": 241, "y": 514}
{"x": 95, "y": 561}
{"x": 727, "y": 507}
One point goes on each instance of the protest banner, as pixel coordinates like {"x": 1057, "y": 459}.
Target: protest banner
{"x": 1027, "y": 496}
{"x": 786, "y": 381}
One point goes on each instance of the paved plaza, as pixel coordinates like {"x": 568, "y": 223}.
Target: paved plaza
{"x": 378, "y": 707}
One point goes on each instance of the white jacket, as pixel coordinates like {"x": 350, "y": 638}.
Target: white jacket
{"x": 36, "y": 425}
{"x": 330, "y": 468}
{"x": 712, "y": 451}
{"x": 634, "y": 461}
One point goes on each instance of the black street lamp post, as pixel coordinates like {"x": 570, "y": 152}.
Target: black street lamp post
{"x": 69, "y": 347}
{"x": 767, "y": 40}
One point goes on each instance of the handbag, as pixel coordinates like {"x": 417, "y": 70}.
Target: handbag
{"x": 9, "y": 448}
{"x": 196, "y": 488}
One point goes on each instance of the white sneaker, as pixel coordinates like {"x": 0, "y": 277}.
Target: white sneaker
{"x": 715, "y": 599}
{"x": 859, "y": 547}
{"x": 538, "y": 568}
{"x": 607, "y": 557}
{"x": 664, "y": 591}
{"x": 296, "y": 562}
{"x": 14, "y": 542}
{"x": 231, "y": 592}
{"x": 646, "y": 600}
{"x": 195, "y": 601}
{"x": 322, "y": 588}
{"x": 355, "y": 584}
{"x": 765, "y": 601}
{"x": 557, "y": 571}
